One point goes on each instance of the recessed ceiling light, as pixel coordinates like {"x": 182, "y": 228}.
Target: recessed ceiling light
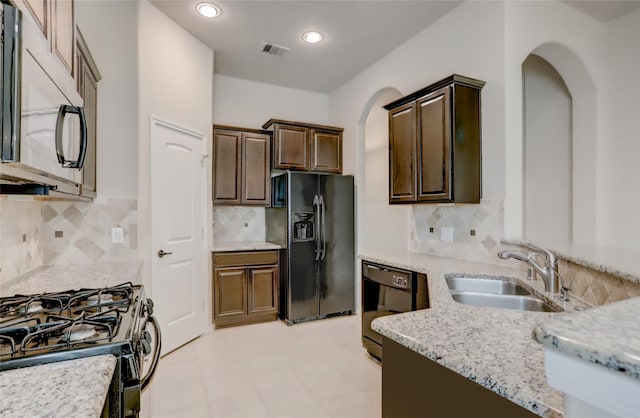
{"x": 312, "y": 37}
{"x": 208, "y": 9}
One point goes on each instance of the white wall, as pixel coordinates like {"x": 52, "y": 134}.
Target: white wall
{"x": 175, "y": 83}
{"x": 392, "y": 234}
{"x": 548, "y": 154}
{"x": 571, "y": 42}
{"x": 249, "y": 104}
{"x": 468, "y": 41}
{"x": 600, "y": 64}
{"x": 110, "y": 29}
{"x": 619, "y": 154}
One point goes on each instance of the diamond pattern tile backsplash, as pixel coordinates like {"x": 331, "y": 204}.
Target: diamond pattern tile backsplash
{"x": 86, "y": 231}
{"x": 594, "y": 287}
{"x": 238, "y": 223}
{"x": 485, "y": 219}
{"x": 21, "y": 226}
{"x": 34, "y": 233}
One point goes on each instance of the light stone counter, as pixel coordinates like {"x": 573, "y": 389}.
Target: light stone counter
{"x": 223, "y": 246}
{"x": 492, "y": 347}
{"x": 612, "y": 340}
{"x": 74, "y": 276}
{"x": 66, "y": 389}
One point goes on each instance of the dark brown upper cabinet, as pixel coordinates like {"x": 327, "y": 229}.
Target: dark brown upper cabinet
{"x": 306, "y": 147}
{"x": 87, "y": 84}
{"x": 241, "y": 166}
{"x": 435, "y": 151}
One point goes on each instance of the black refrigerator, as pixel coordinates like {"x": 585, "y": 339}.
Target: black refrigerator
{"x": 312, "y": 216}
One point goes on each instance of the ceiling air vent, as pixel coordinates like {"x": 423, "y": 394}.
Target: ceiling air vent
{"x": 273, "y": 49}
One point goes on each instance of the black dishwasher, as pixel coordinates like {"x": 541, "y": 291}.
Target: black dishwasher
{"x": 388, "y": 291}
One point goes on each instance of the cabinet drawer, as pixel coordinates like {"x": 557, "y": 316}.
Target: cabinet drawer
{"x": 245, "y": 258}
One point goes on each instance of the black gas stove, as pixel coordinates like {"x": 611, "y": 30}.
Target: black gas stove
{"x": 49, "y": 327}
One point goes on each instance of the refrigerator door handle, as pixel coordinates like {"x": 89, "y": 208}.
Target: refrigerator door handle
{"x": 324, "y": 239}
{"x": 316, "y": 210}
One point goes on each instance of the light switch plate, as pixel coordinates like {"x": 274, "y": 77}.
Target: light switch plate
{"x": 117, "y": 235}
{"x": 446, "y": 233}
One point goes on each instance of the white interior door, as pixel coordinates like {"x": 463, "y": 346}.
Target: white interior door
{"x": 178, "y": 225}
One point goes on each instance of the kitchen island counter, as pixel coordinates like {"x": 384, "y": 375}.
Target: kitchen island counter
{"x": 72, "y": 388}
{"x": 613, "y": 340}
{"x": 491, "y": 347}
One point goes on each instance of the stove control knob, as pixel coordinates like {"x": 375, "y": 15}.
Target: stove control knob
{"x": 149, "y": 306}
{"x": 146, "y": 342}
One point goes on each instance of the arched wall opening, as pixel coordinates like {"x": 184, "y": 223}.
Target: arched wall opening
{"x": 372, "y": 127}
{"x": 585, "y": 131}
{"x": 381, "y": 226}
{"x": 548, "y": 168}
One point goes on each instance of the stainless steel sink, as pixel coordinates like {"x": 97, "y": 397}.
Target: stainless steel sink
{"x": 521, "y": 303}
{"x": 495, "y": 293}
{"x": 480, "y": 285}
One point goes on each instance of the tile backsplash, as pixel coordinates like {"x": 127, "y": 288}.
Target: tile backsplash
{"x": 36, "y": 232}
{"x": 86, "y": 230}
{"x": 594, "y": 287}
{"x": 477, "y": 230}
{"x": 21, "y": 227}
{"x": 238, "y": 223}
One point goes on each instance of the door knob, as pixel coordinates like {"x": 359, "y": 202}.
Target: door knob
{"x": 161, "y": 253}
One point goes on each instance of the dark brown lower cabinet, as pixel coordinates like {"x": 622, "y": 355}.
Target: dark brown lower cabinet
{"x": 245, "y": 287}
{"x": 415, "y": 387}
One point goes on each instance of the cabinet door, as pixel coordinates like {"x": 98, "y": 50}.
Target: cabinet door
{"x": 227, "y": 164}
{"x": 89, "y": 93}
{"x": 256, "y": 169}
{"x": 62, "y": 32}
{"x": 402, "y": 154}
{"x": 38, "y": 9}
{"x": 326, "y": 151}
{"x": 230, "y": 293}
{"x": 263, "y": 290}
{"x": 290, "y": 148}
{"x": 434, "y": 146}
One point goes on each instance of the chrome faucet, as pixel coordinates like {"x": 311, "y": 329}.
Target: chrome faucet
{"x": 548, "y": 272}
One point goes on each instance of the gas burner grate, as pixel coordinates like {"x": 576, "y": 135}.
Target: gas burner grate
{"x": 60, "y": 332}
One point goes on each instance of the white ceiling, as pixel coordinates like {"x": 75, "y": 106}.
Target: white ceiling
{"x": 357, "y": 34}
{"x": 605, "y": 10}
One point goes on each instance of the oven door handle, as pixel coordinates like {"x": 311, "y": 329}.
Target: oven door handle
{"x": 156, "y": 355}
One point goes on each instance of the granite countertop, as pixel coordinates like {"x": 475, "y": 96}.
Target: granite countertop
{"x": 59, "y": 278}
{"x": 623, "y": 263}
{"x": 613, "y": 340}
{"x": 222, "y": 246}
{"x": 72, "y": 388}
{"x": 492, "y": 347}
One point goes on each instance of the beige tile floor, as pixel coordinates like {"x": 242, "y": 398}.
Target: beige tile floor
{"x": 311, "y": 370}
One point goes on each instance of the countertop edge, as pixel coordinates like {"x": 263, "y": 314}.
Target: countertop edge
{"x": 75, "y": 387}
{"x": 510, "y": 388}
{"x": 561, "y": 335}
{"x": 232, "y": 246}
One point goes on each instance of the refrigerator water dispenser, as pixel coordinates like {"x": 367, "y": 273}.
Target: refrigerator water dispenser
{"x": 303, "y": 226}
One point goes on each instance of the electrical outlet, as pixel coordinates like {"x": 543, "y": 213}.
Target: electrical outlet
{"x": 446, "y": 233}
{"x": 117, "y": 235}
